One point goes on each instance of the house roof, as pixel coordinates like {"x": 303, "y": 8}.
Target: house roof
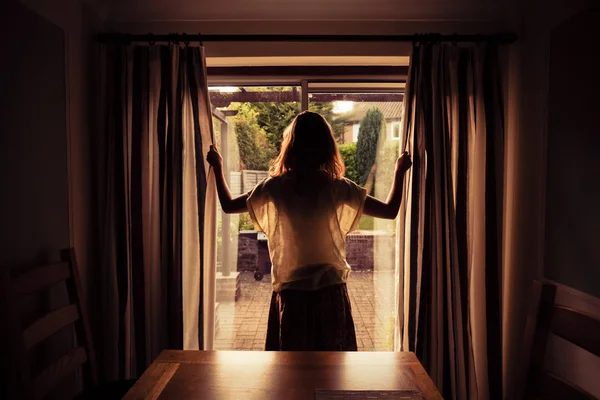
{"x": 390, "y": 110}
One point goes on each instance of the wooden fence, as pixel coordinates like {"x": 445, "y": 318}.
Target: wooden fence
{"x": 243, "y": 182}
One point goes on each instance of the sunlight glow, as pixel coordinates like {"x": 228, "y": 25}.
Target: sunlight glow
{"x": 340, "y": 107}
{"x": 225, "y": 89}
{"x": 245, "y": 357}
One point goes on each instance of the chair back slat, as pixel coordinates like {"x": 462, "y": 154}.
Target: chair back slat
{"x": 552, "y": 387}
{"x": 25, "y": 339}
{"x": 49, "y": 324}
{"x": 39, "y": 278}
{"x": 17, "y": 379}
{"x": 576, "y": 327}
{"x": 542, "y": 296}
{"x": 60, "y": 369}
{"x": 572, "y": 325}
{"x": 83, "y": 330}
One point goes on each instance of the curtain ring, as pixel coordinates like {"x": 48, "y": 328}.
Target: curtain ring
{"x": 173, "y": 39}
{"x": 416, "y": 40}
{"x": 430, "y": 38}
{"x": 151, "y": 40}
{"x": 454, "y": 40}
{"x": 200, "y": 40}
{"x": 185, "y": 39}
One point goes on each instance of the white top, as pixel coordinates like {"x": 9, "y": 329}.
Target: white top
{"x": 306, "y": 222}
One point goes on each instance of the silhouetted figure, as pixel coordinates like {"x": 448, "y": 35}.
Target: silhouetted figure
{"x": 306, "y": 208}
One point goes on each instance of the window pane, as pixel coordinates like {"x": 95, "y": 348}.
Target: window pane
{"x": 368, "y": 126}
{"x": 395, "y": 130}
{"x": 249, "y": 138}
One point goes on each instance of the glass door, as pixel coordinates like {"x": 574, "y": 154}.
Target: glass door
{"x": 366, "y": 118}
{"x": 249, "y": 121}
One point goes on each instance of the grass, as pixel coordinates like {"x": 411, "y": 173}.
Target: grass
{"x": 366, "y": 223}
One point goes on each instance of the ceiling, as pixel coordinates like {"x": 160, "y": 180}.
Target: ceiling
{"x": 359, "y": 17}
{"x": 306, "y": 10}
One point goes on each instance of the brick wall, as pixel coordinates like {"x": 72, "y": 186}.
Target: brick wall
{"x": 359, "y": 251}
{"x": 364, "y": 251}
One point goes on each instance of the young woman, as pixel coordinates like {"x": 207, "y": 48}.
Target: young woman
{"x": 306, "y": 208}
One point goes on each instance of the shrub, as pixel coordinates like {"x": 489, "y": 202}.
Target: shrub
{"x": 249, "y": 151}
{"x": 348, "y": 153}
{"x": 245, "y": 223}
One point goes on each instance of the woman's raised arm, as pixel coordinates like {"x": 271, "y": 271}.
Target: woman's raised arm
{"x": 389, "y": 209}
{"x": 229, "y": 205}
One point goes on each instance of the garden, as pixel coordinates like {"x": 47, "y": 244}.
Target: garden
{"x": 258, "y": 127}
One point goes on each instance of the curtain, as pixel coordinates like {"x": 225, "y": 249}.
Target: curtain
{"x": 449, "y": 240}
{"x": 153, "y": 199}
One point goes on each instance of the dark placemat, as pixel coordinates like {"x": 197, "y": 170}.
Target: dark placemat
{"x": 325, "y": 394}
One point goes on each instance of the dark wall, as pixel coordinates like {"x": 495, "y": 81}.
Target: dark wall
{"x": 34, "y": 206}
{"x": 572, "y": 255}
{"x": 33, "y": 138}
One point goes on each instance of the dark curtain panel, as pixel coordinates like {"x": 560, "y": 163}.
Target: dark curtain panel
{"x": 451, "y": 220}
{"x": 150, "y": 127}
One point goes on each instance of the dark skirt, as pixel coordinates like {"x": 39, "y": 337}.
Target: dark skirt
{"x": 317, "y": 320}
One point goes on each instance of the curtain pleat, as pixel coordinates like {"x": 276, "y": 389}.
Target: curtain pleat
{"x": 139, "y": 119}
{"x": 494, "y": 215}
{"x": 192, "y": 285}
{"x": 172, "y": 205}
{"x": 151, "y": 169}
{"x": 199, "y": 136}
{"x": 450, "y": 224}
{"x": 209, "y": 228}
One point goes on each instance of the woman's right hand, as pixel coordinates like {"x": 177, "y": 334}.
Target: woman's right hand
{"x": 214, "y": 158}
{"x": 403, "y": 163}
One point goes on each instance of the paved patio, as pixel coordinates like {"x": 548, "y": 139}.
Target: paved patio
{"x": 243, "y": 324}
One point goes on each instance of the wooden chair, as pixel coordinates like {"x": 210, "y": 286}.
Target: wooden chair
{"x": 572, "y": 325}
{"x": 80, "y": 359}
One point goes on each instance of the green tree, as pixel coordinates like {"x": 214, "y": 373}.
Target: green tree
{"x": 366, "y": 147}
{"x": 348, "y": 153}
{"x": 251, "y": 155}
{"x": 260, "y": 140}
{"x": 273, "y": 118}
{"x": 254, "y": 148}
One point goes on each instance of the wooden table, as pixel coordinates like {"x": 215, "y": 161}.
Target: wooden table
{"x": 262, "y": 375}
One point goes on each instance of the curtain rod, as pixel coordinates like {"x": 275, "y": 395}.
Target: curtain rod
{"x": 184, "y": 38}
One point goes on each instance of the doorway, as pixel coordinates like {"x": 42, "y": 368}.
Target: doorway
{"x": 248, "y": 121}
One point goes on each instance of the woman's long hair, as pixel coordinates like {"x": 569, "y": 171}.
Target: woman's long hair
{"x": 309, "y": 146}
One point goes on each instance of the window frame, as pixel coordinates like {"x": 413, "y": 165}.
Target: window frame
{"x": 328, "y": 79}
